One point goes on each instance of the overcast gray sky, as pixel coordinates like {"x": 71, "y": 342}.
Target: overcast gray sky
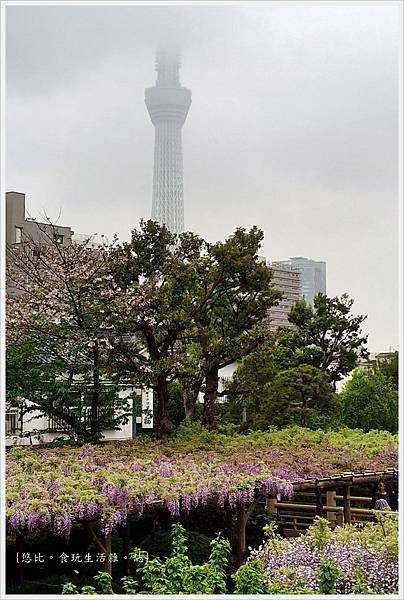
{"x": 293, "y": 127}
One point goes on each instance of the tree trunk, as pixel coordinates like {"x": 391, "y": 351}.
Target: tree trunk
{"x": 210, "y": 396}
{"x": 230, "y": 533}
{"x": 189, "y": 408}
{"x": 94, "y": 425}
{"x": 164, "y": 424}
{"x": 243, "y": 514}
{"x": 103, "y": 546}
{"x": 107, "y": 564}
{"x": 190, "y": 397}
{"x": 126, "y": 547}
{"x": 190, "y": 401}
{"x": 304, "y": 411}
{"x": 241, "y": 547}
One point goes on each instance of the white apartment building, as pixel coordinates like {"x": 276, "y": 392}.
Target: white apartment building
{"x": 287, "y": 280}
{"x": 313, "y": 275}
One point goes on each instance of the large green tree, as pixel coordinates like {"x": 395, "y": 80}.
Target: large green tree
{"x": 299, "y": 395}
{"x": 370, "y": 401}
{"x": 232, "y": 322}
{"x": 302, "y": 395}
{"x": 207, "y": 308}
{"x": 326, "y": 335}
{"x": 151, "y": 347}
{"x": 247, "y": 392}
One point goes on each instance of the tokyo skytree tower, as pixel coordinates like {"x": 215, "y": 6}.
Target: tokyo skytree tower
{"x": 168, "y": 104}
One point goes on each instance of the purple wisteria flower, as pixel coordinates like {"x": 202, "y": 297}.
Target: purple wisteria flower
{"x": 300, "y": 557}
{"x": 53, "y": 489}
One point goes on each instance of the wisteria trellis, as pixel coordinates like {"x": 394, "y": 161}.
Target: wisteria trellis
{"x": 54, "y": 488}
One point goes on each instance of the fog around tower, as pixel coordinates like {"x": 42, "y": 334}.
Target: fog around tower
{"x": 293, "y": 127}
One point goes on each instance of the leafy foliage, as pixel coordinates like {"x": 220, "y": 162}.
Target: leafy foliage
{"x": 326, "y": 335}
{"x": 103, "y": 585}
{"x": 381, "y": 535}
{"x": 175, "y": 575}
{"x": 233, "y": 320}
{"x": 301, "y": 395}
{"x": 284, "y": 380}
{"x": 389, "y": 367}
{"x": 250, "y": 578}
{"x": 328, "y": 573}
{"x": 159, "y": 309}
{"x": 370, "y": 399}
{"x": 160, "y": 545}
{"x": 207, "y": 308}
{"x": 165, "y": 268}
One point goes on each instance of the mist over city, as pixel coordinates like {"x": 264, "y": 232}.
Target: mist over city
{"x": 293, "y": 127}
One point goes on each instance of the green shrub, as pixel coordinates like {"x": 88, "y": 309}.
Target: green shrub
{"x": 328, "y": 574}
{"x": 250, "y": 578}
{"x": 177, "y": 574}
{"x": 174, "y": 575}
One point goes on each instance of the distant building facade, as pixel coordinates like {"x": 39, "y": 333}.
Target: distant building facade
{"x": 19, "y": 228}
{"x": 375, "y": 358}
{"x": 90, "y": 241}
{"x": 313, "y": 275}
{"x": 287, "y": 280}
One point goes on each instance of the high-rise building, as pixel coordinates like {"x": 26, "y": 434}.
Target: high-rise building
{"x": 288, "y": 281}
{"x": 168, "y": 104}
{"x": 313, "y": 275}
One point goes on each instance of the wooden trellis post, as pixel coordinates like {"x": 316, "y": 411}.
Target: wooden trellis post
{"x": 331, "y": 501}
{"x": 271, "y": 506}
{"x": 319, "y": 503}
{"x": 347, "y": 504}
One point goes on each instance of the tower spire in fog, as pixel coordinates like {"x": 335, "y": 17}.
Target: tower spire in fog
{"x": 168, "y": 104}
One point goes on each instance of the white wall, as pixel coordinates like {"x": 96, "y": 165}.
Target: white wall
{"x": 34, "y": 424}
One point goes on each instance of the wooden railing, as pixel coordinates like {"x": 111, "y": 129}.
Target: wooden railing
{"x": 296, "y": 517}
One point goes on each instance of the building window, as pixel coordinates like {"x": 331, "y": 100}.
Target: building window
{"x": 59, "y": 238}
{"x": 18, "y": 235}
{"x": 13, "y": 422}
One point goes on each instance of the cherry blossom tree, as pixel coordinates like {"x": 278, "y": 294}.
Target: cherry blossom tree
{"x": 58, "y": 334}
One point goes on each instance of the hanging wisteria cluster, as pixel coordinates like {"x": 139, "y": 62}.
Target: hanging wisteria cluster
{"x": 54, "y": 488}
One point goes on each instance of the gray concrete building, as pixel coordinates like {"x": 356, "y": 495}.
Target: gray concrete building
{"x": 313, "y": 275}
{"x": 287, "y": 280}
{"x": 168, "y": 105}
{"x": 19, "y": 228}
